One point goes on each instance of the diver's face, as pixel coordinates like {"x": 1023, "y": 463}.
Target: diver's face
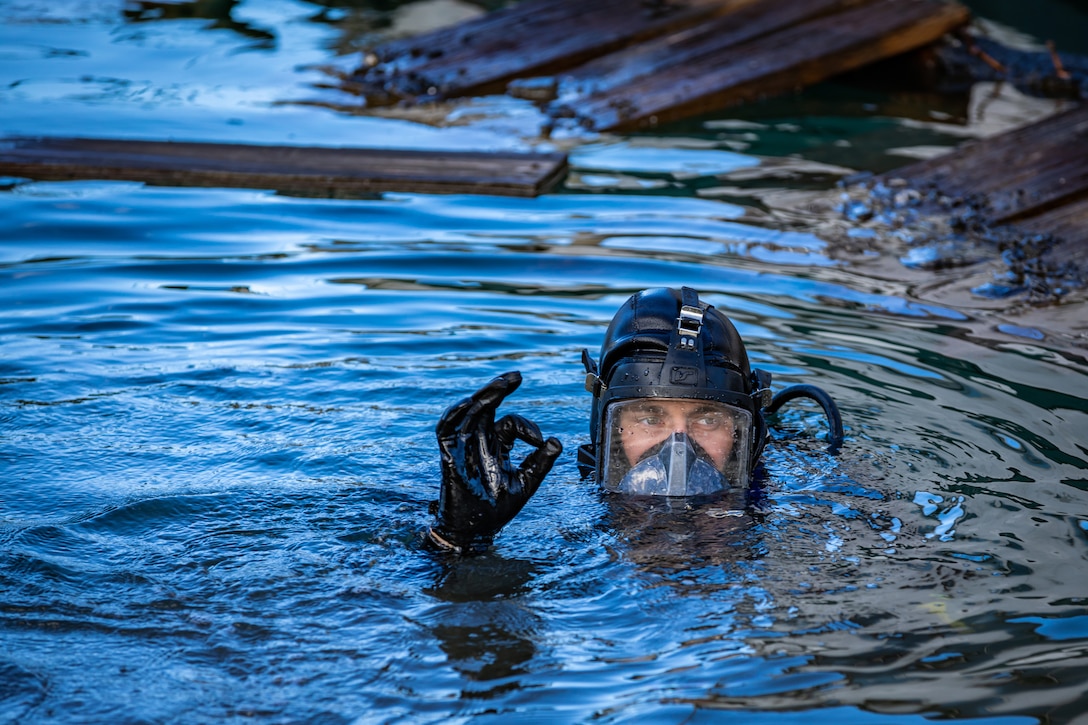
{"x": 647, "y": 423}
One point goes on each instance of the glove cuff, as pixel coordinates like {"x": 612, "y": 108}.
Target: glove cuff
{"x": 461, "y": 544}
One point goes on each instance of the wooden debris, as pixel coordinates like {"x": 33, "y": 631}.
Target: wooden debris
{"x": 1025, "y": 190}
{"x": 1015, "y": 175}
{"x": 973, "y": 58}
{"x": 628, "y": 64}
{"x": 1068, "y": 226}
{"x": 612, "y": 72}
{"x": 797, "y": 50}
{"x": 301, "y": 170}
{"x": 535, "y": 37}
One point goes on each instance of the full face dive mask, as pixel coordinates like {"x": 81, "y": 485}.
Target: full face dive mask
{"x": 674, "y": 447}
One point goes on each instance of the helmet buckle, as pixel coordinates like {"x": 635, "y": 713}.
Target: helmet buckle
{"x": 594, "y": 384}
{"x": 688, "y": 325}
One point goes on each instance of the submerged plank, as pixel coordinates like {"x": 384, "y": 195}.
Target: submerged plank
{"x": 794, "y": 56}
{"x": 529, "y": 38}
{"x": 306, "y": 170}
{"x": 1025, "y": 190}
{"x": 1017, "y": 174}
{"x": 1068, "y": 225}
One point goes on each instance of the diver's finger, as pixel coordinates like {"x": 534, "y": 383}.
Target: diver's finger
{"x": 465, "y": 413}
{"x": 537, "y": 464}
{"x": 516, "y": 427}
{"x": 488, "y": 398}
{"x": 498, "y": 388}
{"x": 449, "y": 422}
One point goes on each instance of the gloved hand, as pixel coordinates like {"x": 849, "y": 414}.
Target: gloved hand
{"x": 481, "y": 489}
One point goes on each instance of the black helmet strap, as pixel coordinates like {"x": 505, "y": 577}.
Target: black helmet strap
{"x": 684, "y": 364}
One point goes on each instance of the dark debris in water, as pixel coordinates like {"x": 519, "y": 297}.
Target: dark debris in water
{"x": 944, "y": 232}
{"x": 969, "y": 57}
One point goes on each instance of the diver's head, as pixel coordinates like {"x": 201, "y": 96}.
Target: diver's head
{"x": 677, "y": 410}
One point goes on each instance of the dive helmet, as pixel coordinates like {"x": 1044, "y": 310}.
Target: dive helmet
{"x": 670, "y": 361}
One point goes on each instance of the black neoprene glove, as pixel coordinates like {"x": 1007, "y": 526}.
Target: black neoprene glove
{"x": 481, "y": 489}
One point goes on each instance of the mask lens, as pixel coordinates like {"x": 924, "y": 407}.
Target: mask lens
{"x": 675, "y": 447}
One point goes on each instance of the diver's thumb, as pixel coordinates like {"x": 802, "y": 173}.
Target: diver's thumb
{"x": 537, "y": 464}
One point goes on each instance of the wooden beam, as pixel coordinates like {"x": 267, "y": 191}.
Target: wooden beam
{"x": 535, "y": 37}
{"x": 682, "y": 48}
{"x": 1020, "y": 174}
{"x": 303, "y": 170}
{"x": 1068, "y": 225}
{"x": 791, "y": 58}
{"x": 1032, "y": 180}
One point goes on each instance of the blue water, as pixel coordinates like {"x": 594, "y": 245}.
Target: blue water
{"x": 217, "y": 411}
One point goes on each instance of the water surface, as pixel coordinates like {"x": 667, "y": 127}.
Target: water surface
{"x": 217, "y": 411}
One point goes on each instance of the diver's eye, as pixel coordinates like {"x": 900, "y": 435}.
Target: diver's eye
{"x": 650, "y": 421}
{"x": 709, "y": 421}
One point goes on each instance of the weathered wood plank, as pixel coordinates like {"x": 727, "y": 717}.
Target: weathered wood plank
{"x": 739, "y": 25}
{"x": 530, "y": 38}
{"x": 309, "y": 170}
{"x": 794, "y": 57}
{"x": 1068, "y": 224}
{"x": 1019, "y": 174}
{"x": 1029, "y": 181}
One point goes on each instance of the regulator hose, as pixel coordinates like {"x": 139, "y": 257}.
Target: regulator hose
{"x": 831, "y": 410}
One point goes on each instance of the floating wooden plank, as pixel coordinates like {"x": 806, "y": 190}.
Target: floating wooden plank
{"x": 1019, "y": 174}
{"x": 740, "y": 24}
{"x": 1068, "y": 225}
{"x": 303, "y": 170}
{"x": 725, "y": 72}
{"x": 530, "y": 38}
{"x": 1029, "y": 181}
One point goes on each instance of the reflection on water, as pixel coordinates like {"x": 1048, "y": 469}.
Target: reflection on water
{"x": 216, "y": 429}
{"x": 217, "y": 414}
{"x": 218, "y": 11}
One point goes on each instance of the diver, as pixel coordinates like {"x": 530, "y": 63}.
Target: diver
{"x": 677, "y": 412}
